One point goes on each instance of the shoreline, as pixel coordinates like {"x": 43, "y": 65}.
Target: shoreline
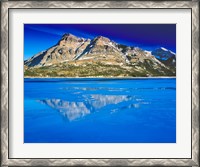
{"x": 100, "y": 77}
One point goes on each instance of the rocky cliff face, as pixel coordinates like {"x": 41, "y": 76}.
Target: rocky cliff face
{"x": 77, "y": 51}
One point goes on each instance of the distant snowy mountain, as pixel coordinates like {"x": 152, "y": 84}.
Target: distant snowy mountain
{"x": 162, "y": 53}
{"x": 166, "y": 56}
{"x": 73, "y": 50}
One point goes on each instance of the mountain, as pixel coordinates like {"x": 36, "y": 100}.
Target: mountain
{"x": 167, "y": 57}
{"x": 73, "y": 56}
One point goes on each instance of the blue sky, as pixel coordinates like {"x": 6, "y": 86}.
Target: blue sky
{"x": 39, "y": 37}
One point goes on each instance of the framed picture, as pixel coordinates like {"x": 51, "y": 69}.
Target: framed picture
{"x": 100, "y": 83}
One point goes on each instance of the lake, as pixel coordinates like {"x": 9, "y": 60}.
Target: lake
{"x": 89, "y": 110}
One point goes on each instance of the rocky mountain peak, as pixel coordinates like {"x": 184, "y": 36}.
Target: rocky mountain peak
{"x": 66, "y": 35}
{"x": 70, "y": 38}
{"x": 101, "y": 40}
{"x": 101, "y": 50}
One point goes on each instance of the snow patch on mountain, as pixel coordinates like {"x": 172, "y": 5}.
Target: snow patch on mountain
{"x": 172, "y": 52}
{"x": 164, "y": 49}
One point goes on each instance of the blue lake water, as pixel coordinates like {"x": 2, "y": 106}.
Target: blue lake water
{"x": 100, "y": 110}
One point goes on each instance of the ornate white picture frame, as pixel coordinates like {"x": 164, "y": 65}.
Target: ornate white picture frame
{"x": 7, "y": 74}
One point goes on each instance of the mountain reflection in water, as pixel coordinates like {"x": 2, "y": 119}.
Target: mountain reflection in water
{"x": 93, "y": 110}
{"x": 75, "y": 110}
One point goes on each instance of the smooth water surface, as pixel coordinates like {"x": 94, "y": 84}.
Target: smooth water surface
{"x": 100, "y": 110}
